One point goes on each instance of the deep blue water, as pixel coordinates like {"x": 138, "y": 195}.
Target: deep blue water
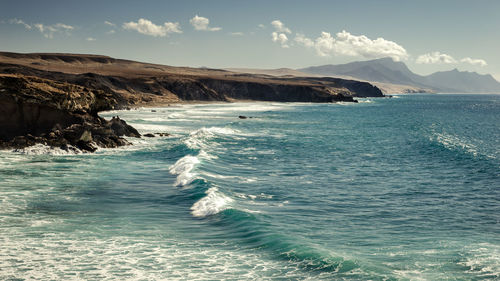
{"x": 404, "y": 188}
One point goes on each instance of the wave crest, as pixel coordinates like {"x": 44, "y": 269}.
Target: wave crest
{"x": 182, "y": 168}
{"x": 213, "y": 203}
{"x": 453, "y": 142}
{"x": 196, "y": 139}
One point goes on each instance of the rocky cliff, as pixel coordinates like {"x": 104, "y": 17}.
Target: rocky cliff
{"x": 35, "y": 110}
{"x": 139, "y": 90}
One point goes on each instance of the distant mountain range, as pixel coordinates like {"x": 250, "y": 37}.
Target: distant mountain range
{"x": 386, "y": 70}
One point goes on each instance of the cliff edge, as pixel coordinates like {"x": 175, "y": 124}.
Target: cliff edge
{"x": 35, "y": 110}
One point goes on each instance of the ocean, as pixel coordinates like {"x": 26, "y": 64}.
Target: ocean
{"x": 403, "y": 188}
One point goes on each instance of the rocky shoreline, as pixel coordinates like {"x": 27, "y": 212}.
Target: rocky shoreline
{"x": 57, "y": 114}
{"x": 54, "y": 99}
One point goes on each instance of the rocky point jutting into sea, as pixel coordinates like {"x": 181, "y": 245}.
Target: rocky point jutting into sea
{"x": 35, "y": 110}
{"x": 54, "y": 99}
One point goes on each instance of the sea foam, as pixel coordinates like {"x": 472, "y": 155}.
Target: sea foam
{"x": 198, "y": 138}
{"x": 453, "y": 142}
{"x": 182, "y": 168}
{"x": 41, "y": 149}
{"x": 213, "y": 203}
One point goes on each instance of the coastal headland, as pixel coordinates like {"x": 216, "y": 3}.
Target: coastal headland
{"x": 54, "y": 99}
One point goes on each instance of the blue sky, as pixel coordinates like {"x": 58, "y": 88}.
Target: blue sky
{"x": 427, "y": 35}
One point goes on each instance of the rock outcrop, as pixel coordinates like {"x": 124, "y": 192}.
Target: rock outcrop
{"x": 35, "y": 110}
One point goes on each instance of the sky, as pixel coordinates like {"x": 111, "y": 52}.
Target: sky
{"x": 428, "y": 36}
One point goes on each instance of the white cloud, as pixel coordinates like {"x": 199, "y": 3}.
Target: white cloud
{"x": 201, "y": 23}
{"x": 49, "y": 30}
{"x": 479, "y": 62}
{"x": 280, "y": 27}
{"x": 325, "y": 44}
{"x": 90, "y": 39}
{"x": 435, "y": 57}
{"x": 352, "y": 45}
{"x": 280, "y": 38}
{"x": 146, "y": 27}
{"x": 279, "y": 35}
{"x": 301, "y": 39}
{"x": 348, "y": 44}
{"x": 236, "y": 33}
{"x": 21, "y": 22}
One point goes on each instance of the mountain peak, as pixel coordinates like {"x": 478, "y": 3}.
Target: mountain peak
{"x": 386, "y": 70}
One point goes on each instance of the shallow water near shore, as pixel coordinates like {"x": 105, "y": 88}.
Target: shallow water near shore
{"x": 404, "y": 188}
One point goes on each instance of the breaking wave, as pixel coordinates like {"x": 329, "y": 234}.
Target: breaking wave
{"x": 198, "y": 139}
{"x": 183, "y": 169}
{"x": 213, "y": 203}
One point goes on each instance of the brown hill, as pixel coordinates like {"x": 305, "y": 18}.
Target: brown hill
{"x": 136, "y": 83}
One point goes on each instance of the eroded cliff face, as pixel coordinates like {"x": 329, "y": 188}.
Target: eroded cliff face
{"x": 35, "y": 110}
{"x": 274, "y": 91}
{"x": 144, "y": 89}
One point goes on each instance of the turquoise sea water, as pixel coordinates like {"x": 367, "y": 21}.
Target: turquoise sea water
{"x": 404, "y": 188}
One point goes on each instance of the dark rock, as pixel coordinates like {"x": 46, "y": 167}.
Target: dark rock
{"x": 149, "y": 135}
{"x": 86, "y": 146}
{"x": 121, "y": 128}
{"x": 242, "y": 117}
{"x": 35, "y": 110}
{"x": 162, "y": 134}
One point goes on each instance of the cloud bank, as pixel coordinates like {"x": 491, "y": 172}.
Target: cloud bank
{"x": 201, "y": 24}
{"x": 347, "y": 44}
{"x": 439, "y": 58}
{"x": 435, "y": 57}
{"x": 479, "y": 62}
{"x": 340, "y": 44}
{"x": 146, "y": 27}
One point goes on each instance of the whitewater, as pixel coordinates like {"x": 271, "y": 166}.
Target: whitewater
{"x": 404, "y": 188}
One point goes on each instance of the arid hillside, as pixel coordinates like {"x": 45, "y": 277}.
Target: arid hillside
{"x": 136, "y": 83}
